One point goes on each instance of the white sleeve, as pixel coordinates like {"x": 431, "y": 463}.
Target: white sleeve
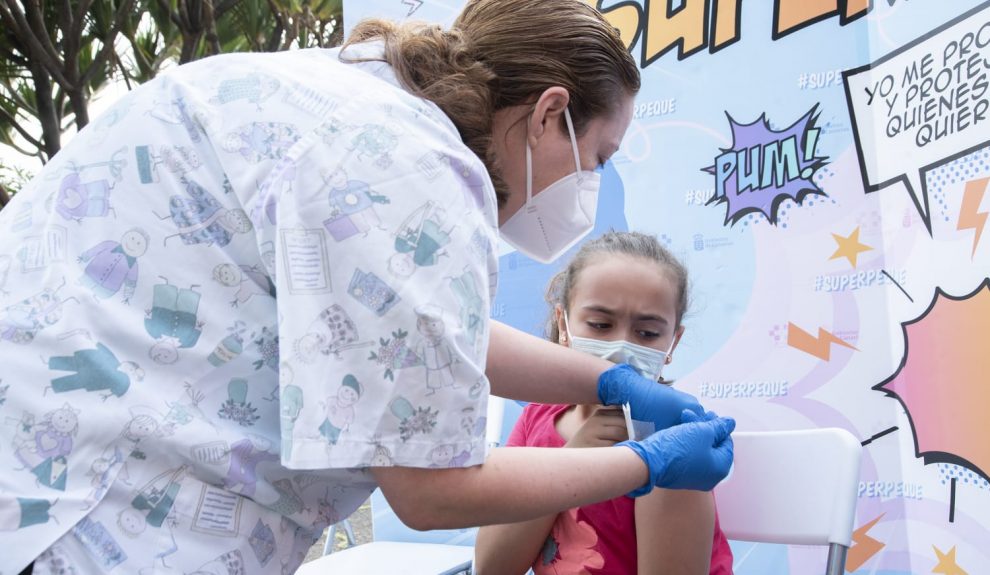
{"x": 383, "y": 225}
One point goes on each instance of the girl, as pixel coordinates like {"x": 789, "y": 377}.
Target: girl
{"x": 622, "y": 298}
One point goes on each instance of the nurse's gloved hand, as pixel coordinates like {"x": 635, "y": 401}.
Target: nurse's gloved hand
{"x": 696, "y": 454}
{"x": 649, "y": 401}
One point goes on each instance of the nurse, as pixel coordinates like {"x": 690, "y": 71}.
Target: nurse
{"x": 494, "y": 124}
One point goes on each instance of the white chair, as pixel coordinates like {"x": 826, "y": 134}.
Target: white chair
{"x": 793, "y": 487}
{"x": 398, "y": 549}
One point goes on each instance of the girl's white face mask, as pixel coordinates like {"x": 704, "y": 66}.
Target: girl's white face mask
{"x": 559, "y": 216}
{"x": 647, "y": 361}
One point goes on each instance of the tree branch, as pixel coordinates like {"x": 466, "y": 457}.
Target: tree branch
{"x": 172, "y": 15}
{"x": 4, "y": 196}
{"x": 118, "y": 22}
{"x": 16, "y": 20}
{"x": 36, "y": 21}
{"x": 12, "y": 120}
{"x": 80, "y": 17}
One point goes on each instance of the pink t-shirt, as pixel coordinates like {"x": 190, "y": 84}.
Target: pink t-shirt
{"x": 595, "y": 539}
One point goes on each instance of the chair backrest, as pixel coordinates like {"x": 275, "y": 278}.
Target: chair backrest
{"x": 792, "y": 487}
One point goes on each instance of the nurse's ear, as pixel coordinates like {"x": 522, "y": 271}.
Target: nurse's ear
{"x": 547, "y": 115}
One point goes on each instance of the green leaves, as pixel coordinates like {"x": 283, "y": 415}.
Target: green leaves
{"x": 55, "y": 55}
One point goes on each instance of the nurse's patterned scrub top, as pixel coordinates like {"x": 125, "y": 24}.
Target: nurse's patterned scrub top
{"x": 250, "y": 280}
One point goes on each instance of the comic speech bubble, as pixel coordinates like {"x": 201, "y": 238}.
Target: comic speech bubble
{"x": 922, "y": 106}
{"x": 764, "y": 167}
{"x": 941, "y": 380}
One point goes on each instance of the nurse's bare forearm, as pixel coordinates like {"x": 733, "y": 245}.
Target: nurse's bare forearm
{"x": 514, "y": 484}
{"x": 525, "y": 367}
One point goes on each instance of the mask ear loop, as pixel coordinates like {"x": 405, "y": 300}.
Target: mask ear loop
{"x": 567, "y": 326}
{"x": 529, "y": 174}
{"x": 570, "y": 131}
{"x": 670, "y": 349}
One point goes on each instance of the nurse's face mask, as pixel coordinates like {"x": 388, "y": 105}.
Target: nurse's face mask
{"x": 557, "y": 217}
{"x": 647, "y": 361}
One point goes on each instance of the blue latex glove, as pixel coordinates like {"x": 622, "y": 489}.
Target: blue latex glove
{"x": 648, "y": 400}
{"x": 694, "y": 455}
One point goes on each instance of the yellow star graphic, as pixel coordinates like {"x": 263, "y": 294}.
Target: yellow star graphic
{"x": 947, "y": 562}
{"x": 849, "y": 247}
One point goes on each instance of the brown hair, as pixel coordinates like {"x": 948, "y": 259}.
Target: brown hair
{"x": 633, "y": 244}
{"x": 503, "y": 53}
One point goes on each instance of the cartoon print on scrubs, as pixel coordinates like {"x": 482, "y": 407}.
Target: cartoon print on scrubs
{"x": 372, "y": 292}
{"x": 260, "y": 141}
{"x": 178, "y": 112}
{"x": 230, "y": 563}
{"x": 245, "y": 456}
{"x": 431, "y": 164}
{"x": 237, "y": 407}
{"x": 433, "y": 349}
{"x": 332, "y": 129}
{"x": 333, "y": 332}
{"x": 101, "y": 471}
{"x": 187, "y": 409}
{"x": 152, "y": 503}
{"x": 95, "y": 369}
{"x": 394, "y": 354}
{"x": 375, "y": 142}
{"x": 230, "y": 346}
{"x": 100, "y": 126}
{"x": 290, "y": 404}
{"x": 140, "y": 427}
{"x": 420, "y": 240}
{"x": 201, "y": 219}
{"x": 249, "y": 281}
{"x": 172, "y": 321}
{"x": 43, "y": 447}
{"x": 254, "y": 88}
{"x": 352, "y": 206}
{"x": 89, "y": 197}
{"x": 177, "y": 160}
{"x": 412, "y": 420}
{"x": 267, "y": 345}
{"x": 289, "y": 501}
{"x": 307, "y": 265}
{"x": 443, "y": 456}
{"x": 382, "y": 456}
{"x": 262, "y": 541}
{"x": 339, "y": 409}
{"x": 110, "y": 265}
{"x": 101, "y": 545}
{"x": 40, "y": 252}
{"x": 24, "y": 513}
{"x": 481, "y": 245}
{"x": 21, "y": 322}
{"x": 6, "y": 262}
{"x": 466, "y": 288}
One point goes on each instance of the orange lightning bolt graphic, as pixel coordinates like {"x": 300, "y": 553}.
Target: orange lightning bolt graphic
{"x": 863, "y": 546}
{"x": 820, "y": 347}
{"x": 970, "y": 216}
